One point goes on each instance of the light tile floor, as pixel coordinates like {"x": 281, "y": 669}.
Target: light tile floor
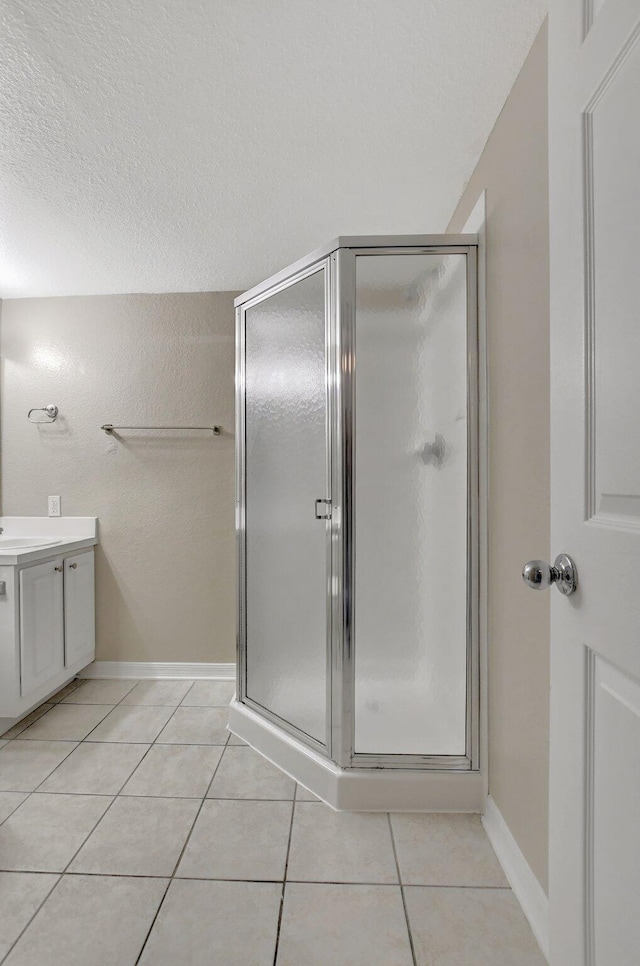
{"x": 134, "y": 829}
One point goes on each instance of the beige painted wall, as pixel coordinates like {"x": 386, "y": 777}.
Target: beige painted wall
{"x": 165, "y": 564}
{"x": 165, "y": 574}
{"x": 513, "y": 169}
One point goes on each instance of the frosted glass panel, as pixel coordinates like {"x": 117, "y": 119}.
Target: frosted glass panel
{"x": 411, "y": 504}
{"x": 285, "y": 473}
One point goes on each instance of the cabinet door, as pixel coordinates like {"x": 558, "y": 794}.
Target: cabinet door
{"x": 79, "y": 609}
{"x": 41, "y": 624}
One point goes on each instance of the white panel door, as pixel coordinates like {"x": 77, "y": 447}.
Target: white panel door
{"x": 41, "y": 624}
{"x": 79, "y": 609}
{"x": 594, "y": 166}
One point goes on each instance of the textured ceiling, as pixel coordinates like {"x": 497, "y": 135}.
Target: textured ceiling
{"x": 193, "y": 145}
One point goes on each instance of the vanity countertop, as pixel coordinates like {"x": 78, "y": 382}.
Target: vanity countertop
{"x": 29, "y": 539}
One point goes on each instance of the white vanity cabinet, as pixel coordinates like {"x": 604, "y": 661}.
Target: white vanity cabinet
{"x": 47, "y": 608}
{"x": 79, "y": 609}
{"x": 41, "y": 624}
{"x": 57, "y": 622}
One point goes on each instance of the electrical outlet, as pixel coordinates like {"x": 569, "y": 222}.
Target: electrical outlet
{"x": 54, "y": 506}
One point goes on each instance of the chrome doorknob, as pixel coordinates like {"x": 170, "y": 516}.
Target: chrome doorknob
{"x": 539, "y": 575}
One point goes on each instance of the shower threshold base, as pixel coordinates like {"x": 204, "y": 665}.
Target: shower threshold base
{"x": 359, "y": 789}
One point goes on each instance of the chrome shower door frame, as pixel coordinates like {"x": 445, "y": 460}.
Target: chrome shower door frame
{"x": 338, "y": 260}
{"x": 299, "y": 271}
{"x": 344, "y": 549}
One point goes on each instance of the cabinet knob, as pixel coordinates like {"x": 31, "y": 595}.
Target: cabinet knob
{"x": 58, "y": 569}
{"x": 73, "y": 566}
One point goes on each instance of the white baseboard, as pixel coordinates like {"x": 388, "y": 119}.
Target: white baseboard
{"x": 526, "y": 887}
{"x": 156, "y": 669}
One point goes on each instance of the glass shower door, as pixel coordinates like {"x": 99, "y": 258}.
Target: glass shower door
{"x": 286, "y": 489}
{"x": 412, "y": 522}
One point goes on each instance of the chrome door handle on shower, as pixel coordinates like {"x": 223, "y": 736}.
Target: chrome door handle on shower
{"x": 323, "y": 516}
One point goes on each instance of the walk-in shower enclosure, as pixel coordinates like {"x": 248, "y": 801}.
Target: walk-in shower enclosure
{"x": 357, "y": 521}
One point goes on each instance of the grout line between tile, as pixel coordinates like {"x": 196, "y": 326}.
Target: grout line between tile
{"x": 169, "y": 744}
{"x": 188, "y": 692}
{"x": 127, "y": 741}
{"x": 186, "y": 798}
{"x": 75, "y": 744}
{"x": 36, "y": 790}
{"x": 404, "y": 903}
{"x": 166, "y": 724}
{"x": 212, "y": 707}
{"x": 38, "y": 787}
{"x": 17, "y": 806}
{"x": 59, "y": 740}
{"x": 386, "y": 885}
{"x": 135, "y": 684}
{"x": 435, "y": 885}
{"x": 58, "y": 705}
{"x": 153, "y": 921}
{"x": 86, "y": 738}
{"x": 135, "y": 768}
{"x": 31, "y": 791}
{"x": 284, "y": 881}
{"x": 87, "y": 837}
{"x": 61, "y": 874}
{"x": 21, "y": 934}
{"x": 204, "y": 799}
{"x": 182, "y": 851}
{"x": 88, "y": 704}
{"x": 75, "y": 681}
{"x": 26, "y": 727}
{"x": 199, "y": 878}
{"x": 142, "y": 704}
